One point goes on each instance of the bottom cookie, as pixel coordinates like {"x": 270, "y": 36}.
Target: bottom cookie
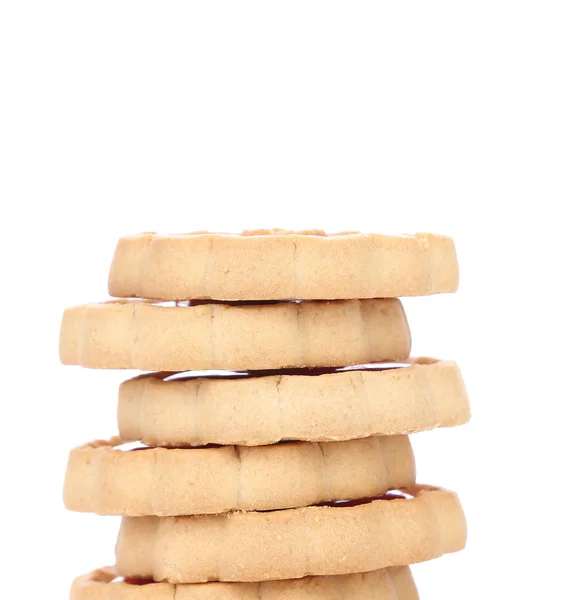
{"x": 394, "y": 583}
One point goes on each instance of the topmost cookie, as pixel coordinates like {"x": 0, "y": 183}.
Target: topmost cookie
{"x": 280, "y": 264}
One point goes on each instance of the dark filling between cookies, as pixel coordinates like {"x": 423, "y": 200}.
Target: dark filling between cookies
{"x": 391, "y": 495}
{"x": 143, "y": 447}
{"x": 136, "y": 581}
{"x": 231, "y": 302}
{"x": 303, "y": 371}
{"x": 185, "y": 303}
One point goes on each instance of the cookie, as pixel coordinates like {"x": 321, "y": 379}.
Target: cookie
{"x": 152, "y": 337}
{"x": 192, "y": 481}
{"x": 387, "y": 584}
{"x": 309, "y": 405}
{"x": 287, "y": 544}
{"x": 277, "y": 265}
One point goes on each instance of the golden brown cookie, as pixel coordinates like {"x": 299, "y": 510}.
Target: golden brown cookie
{"x": 293, "y": 543}
{"x": 312, "y": 405}
{"x": 152, "y": 337}
{"x": 277, "y": 265}
{"x": 387, "y": 584}
{"x": 192, "y": 481}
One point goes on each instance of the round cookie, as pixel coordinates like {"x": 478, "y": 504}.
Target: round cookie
{"x": 387, "y": 584}
{"x": 287, "y": 544}
{"x": 277, "y": 265}
{"x": 153, "y": 337}
{"x": 193, "y": 481}
{"x": 310, "y": 405}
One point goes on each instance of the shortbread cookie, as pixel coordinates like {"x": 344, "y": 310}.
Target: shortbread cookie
{"x": 192, "y": 481}
{"x": 277, "y": 264}
{"x": 152, "y": 337}
{"x": 310, "y": 405}
{"x": 394, "y": 583}
{"x": 285, "y": 544}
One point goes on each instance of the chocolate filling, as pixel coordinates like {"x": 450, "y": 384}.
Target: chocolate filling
{"x": 304, "y": 371}
{"x": 181, "y": 447}
{"x": 205, "y": 301}
{"x": 231, "y": 302}
{"x": 389, "y": 496}
{"x": 136, "y": 581}
{"x": 392, "y": 495}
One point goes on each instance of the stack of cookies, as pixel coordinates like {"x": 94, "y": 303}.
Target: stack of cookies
{"x": 272, "y": 458}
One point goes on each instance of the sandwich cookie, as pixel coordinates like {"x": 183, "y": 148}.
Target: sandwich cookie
{"x": 257, "y": 408}
{"x": 342, "y": 538}
{"x": 155, "y": 337}
{"x": 278, "y": 264}
{"x": 192, "y": 481}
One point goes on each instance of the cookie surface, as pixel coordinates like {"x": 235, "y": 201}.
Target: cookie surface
{"x": 257, "y": 410}
{"x": 152, "y": 337}
{"x": 277, "y": 265}
{"x": 193, "y": 481}
{"x": 293, "y": 543}
{"x": 387, "y": 584}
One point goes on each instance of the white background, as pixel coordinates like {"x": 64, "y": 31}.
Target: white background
{"x": 119, "y": 117}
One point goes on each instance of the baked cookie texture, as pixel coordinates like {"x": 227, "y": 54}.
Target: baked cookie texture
{"x": 293, "y": 543}
{"x": 152, "y": 337}
{"x": 253, "y": 411}
{"x": 272, "y": 458}
{"x": 386, "y": 584}
{"x": 278, "y": 264}
{"x": 164, "y": 482}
